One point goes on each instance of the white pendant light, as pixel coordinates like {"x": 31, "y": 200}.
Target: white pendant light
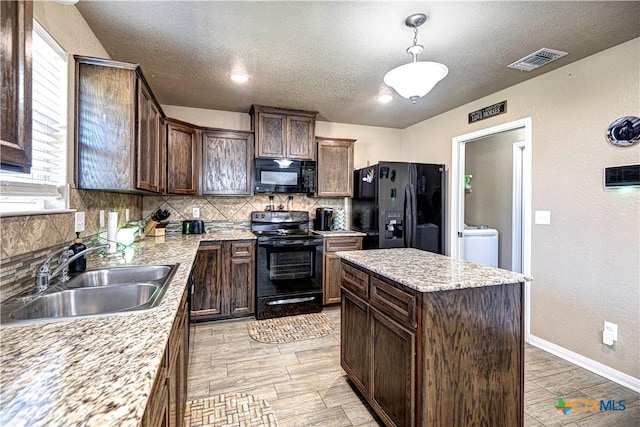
{"x": 415, "y": 79}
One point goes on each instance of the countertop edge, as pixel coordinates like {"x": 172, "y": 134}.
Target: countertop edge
{"x": 429, "y": 272}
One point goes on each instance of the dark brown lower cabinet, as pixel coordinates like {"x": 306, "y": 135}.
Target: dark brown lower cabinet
{"x": 392, "y": 353}
{"x": 223, "y": 280}
{"x": 331, "y": 267}
{"x": 206, "y": 275}
{"x": 166, "y": 404}
{"x": 354, "y": 352}
{"x": 447, "y": 358}
{"x": 241, "y": 286}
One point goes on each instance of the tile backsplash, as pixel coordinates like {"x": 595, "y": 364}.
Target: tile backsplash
{"x": 27, "y": 240}
{"x": 22, "y": 234}
{"x": 232, "y": 210}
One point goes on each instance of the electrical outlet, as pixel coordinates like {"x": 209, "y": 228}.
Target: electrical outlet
{"x": 101, "y": 217}
{"x": 195, "y": 212}
{"x": 126, "y": 215}
{"x": 79, "y": 222}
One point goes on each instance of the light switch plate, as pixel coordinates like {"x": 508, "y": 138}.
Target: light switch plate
{"x": 79, "y": 222}
{"x": 195, "y": 212}
{"x": 611, "y": 328}
{"x": 543, "y": 217}
{"x": 101, "y": 217}
{"x": 126, "y": 215}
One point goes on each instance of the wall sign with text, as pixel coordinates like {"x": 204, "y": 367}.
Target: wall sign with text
{"x": 486, "y": 112}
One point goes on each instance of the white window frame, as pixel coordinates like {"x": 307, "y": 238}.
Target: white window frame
{"x": 20, "y": 194}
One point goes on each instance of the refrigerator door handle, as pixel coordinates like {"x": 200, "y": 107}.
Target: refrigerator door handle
{"x": 407, "y": 216}
{"x": 414, "y": 216}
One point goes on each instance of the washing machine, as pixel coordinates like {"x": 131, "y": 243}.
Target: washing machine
{"x": 480, "y": 245}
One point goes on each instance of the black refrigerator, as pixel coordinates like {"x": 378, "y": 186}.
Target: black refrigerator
{"x": 400, "y": 205}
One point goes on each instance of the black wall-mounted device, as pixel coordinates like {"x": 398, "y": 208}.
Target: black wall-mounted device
{"x": 622, "y": 176}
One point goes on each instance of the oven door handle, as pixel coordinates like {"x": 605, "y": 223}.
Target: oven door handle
{"x": 290, "y": 301}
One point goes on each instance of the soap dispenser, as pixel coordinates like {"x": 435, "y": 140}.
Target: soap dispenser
{"x": 80, "y": 264}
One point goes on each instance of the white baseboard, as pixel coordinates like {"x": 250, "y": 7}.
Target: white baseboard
{"x": 591, "y": 365}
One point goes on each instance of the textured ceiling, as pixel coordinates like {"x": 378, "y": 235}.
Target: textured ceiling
{"x": 331, "y": 56}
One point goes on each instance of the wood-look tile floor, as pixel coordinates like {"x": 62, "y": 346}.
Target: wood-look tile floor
{"x": 306, "y": 386}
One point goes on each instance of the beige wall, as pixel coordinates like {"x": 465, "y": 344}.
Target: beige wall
{"x": 209, "y": 118}
{"x": 490, "y": 161}
{"x": 373, "y": 144}
{"x": 585, "y": 264}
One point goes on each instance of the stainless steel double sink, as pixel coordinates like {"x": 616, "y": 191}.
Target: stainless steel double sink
{"x": 92, "y": 293}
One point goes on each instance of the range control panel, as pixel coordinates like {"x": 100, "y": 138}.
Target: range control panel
{"x": 280, "y": 216}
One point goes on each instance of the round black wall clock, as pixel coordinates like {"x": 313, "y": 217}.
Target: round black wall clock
{"x": 624, "y": 132}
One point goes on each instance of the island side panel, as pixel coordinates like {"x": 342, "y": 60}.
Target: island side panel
{"x": 473, "y": 356}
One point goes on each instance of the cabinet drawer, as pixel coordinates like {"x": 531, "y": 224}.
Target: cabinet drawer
{"x": 241, "y": 249}
{"x": 356, "y": 281}
{"x": 395, "y": 302}
{"x": 332, "y": 244}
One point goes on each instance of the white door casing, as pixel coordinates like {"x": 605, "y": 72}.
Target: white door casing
{"x": 456, "y": 212}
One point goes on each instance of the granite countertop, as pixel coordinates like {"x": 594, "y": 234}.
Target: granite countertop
{"x": 430, "y": 272}
{"x": 96, "y": 371}
{"x": 235, "y": 235}
{"x": 339, "y": 233}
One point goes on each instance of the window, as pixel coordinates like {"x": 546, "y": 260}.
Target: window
{"x": 45, "y": 188}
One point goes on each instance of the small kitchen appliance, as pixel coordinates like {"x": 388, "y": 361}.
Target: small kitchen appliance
{"x": 288, "y": 264}
{"x": 323, "y": 220}
{"x": 285, "y": 176}
{"x": 193, "y": 226}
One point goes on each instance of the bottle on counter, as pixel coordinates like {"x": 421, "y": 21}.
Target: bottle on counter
{"x": 80, "y": 264}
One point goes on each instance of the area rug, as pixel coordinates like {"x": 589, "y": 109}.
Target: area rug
{"x": 229, "y": 410}
{"x": 291, "y": 328}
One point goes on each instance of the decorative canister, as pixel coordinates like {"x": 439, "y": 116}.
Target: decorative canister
{"x": 340, "y": 219}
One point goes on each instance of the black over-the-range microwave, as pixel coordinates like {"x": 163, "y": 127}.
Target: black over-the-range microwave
{"x": 285, "y": 176}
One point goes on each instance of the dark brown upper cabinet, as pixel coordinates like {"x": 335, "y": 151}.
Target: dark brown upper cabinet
{"x": 226, "y": 162}
{"x": 118, "y": 127}
{"x": 148, "y": 141}
{"x": 16, "y": 21}
{"x": 284, "y": 133}
{"x": 182, "y": 157}
{"x": 335, "y": 167}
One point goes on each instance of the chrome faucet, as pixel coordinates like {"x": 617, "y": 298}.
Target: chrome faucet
{"x": 44, "y": 274}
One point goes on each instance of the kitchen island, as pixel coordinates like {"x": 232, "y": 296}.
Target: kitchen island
{"x": 430, "y": 340}
{"x": 97, "y": 371}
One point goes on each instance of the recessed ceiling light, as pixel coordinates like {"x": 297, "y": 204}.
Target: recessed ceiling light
{"x": 384, "y": 98}
{"x": 239, "y": 77}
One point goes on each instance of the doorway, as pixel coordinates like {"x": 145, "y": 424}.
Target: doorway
{"x": 519, "y": 233}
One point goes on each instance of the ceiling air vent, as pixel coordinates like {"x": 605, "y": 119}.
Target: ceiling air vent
{"x": 537, "y": 59}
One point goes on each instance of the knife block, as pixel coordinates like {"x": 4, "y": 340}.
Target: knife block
{"x": 151, "y": 227}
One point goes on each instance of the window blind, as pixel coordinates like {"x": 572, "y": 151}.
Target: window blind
{"x": 45, "y": 186}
